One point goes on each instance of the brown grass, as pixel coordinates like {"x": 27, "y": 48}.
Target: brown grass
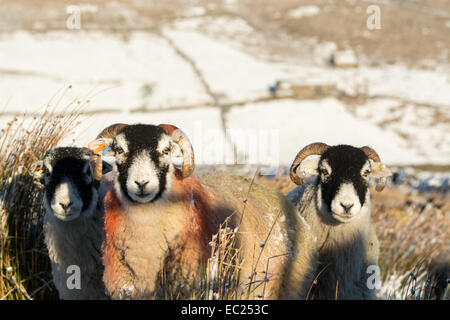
{"x": 414, "y": 240}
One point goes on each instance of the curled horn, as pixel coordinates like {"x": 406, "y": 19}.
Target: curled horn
{"x": 314, "y": 148}
{"x": 185, "y": 145}
{"x": 373, "y": 155}
{"x": 96, "y": 166}
{"x": 95, "y": 160}
{"x": 111, "y": 131}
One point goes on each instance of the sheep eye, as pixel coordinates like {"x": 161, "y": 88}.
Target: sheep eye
{"x": 366, "y": 173}
{"x": 324, "y": 172}
{"x": 166, "y": 150}
{"x": 119, "y": 150}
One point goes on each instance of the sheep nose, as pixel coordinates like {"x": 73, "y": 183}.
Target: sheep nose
{"x": 65, "y": 206}
{"x": 347, "y": 206}
{"x": 141, "y": 184}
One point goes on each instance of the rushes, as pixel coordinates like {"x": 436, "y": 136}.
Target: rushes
{"x": 414, "y": 242}
{"x": 223, "y": 267}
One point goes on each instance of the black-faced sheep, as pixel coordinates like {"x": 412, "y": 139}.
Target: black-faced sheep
{"x": 160, "y": 220}
{"x": 73, "y": 223}
{"x": 336, "y": 209}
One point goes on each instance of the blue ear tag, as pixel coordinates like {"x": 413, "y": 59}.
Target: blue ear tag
{"x": 105, "y": 150}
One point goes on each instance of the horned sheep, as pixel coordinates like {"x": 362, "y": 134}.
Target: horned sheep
{"x": 336, "y": 209}
{"x": 73, "y": 222}
{"x": 160, "y": 220}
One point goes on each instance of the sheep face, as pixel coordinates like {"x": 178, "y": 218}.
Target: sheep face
{"x": 68, "y": 182}
{"x": 143, "y": 168}
{"x": 343, "y": 181}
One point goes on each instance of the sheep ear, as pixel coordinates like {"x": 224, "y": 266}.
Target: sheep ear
{"x": 37, "y": 170}
{"x": 379, "y": 170}
{"x": 101, "y": 147}
{"x": 309, "y": 166}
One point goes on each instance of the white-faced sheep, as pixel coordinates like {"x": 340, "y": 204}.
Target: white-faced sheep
{"x": 336, "y": 209}
{"x": 73, "y": 223}
{"x": 159, "y": 220}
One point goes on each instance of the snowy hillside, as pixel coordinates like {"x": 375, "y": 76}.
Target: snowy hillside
{"x": 209, "y": 83}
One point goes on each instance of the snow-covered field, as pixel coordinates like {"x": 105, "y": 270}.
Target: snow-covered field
{"x": 214, "y": 88}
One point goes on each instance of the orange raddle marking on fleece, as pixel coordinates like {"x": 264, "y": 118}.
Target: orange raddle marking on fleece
{"x": 111, "y": 258}
{"x": 201, "y": 219}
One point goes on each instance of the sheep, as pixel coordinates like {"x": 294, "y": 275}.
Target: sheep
{"x": 73, "y": 221}
{"x": 336, "y": 209}
{"x": 160, "y": 220}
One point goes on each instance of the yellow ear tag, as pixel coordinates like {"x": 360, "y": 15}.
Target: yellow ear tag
{"x": 381, "y": 167}
{"x": 99, "y": 149}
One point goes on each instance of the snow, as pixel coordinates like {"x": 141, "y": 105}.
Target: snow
{"x": 304, "y": 11}
{"x": 240, "y": 76}
{"x": 195, "y": 11}
{"x": 345, "y": 58}
{"x": 428, "y": 138}
{"x": 232, "y": 74}
{"x": 201, "y": 125}
{"x": 139, "y": 72}
{"x": 142, "y": 78}
{"x": 302, "y": 122}
{"x": 39, "y": 65}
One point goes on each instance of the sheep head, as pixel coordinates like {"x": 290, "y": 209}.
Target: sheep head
{"x": 70, "y": 187}
{"x": 143, "y": 168}
{"x": 343, "y": 176}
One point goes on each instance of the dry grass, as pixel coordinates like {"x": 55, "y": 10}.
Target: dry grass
{"x": 24, "y": 264}
{"x": 222, "y": 278}
{"x": 415, "y": 242}
{"x": 222, "y": 275}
